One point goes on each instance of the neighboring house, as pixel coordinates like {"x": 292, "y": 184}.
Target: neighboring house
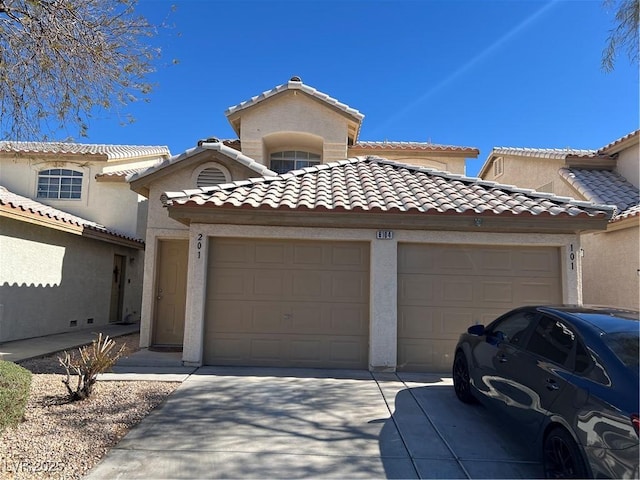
{"x": 298, "y": 245}
{"x": 609, "y": 175}
{"x": 71, "y": 236}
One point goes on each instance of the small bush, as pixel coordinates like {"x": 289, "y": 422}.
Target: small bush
{"x": 15, "y": 383}
{"x": 89, "y": 361}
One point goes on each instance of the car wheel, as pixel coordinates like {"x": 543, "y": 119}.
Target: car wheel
{"x": 561, "y": 456}
{"x": 461, "y": 381}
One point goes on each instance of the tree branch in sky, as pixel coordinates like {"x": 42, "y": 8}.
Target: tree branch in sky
{"x": 62, "y": 59}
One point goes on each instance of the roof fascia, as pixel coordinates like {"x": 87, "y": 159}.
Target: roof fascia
{"x": 20, "y": 215}
{"x": 319, "y": 218}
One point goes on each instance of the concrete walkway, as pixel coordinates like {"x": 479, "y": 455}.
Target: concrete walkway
{"x": 20, "y": 350}
{"x": 234, "y": 422}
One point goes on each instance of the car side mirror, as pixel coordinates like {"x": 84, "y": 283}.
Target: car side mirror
{"x": 476, "y": 330}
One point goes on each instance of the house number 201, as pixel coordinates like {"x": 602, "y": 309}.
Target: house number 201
{"x": 199, "y": 245}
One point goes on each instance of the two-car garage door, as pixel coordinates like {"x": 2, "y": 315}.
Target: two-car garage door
{"x": 305, "y": 303}
{"x": 287, "y": 303}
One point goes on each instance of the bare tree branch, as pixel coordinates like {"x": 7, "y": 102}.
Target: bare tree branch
{"x": 61, "y": 60}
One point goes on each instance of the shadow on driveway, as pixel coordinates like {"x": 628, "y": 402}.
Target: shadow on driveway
{"x": 230, "y": 422}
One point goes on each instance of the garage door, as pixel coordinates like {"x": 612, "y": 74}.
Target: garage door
{"x": 444, "y": 289}
{"x": 287, "y": 303}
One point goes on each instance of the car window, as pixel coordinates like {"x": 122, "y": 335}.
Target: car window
{"x": 552, "y": 339}
{"x": 513, "y": 328}
{"x": 588, "y": 365}
{"x": 626, "y": 346}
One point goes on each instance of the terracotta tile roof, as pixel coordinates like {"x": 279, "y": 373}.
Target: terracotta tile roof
{"x": 615, "y": 143}
{"x": 605, "y": 187}
{"x": 553, "y": 153}
{"x": 110, "y": 152}
{"x": 122, "y": 173}
{"x": 417, "y": 146}
{"x": 296, "y": 85}
{"x": 202, "y": 146}
{"x": 37, "y": 209}
{"x": 380, "y": 185}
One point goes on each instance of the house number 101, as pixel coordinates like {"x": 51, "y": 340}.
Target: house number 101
{"x": 199, "y": 245}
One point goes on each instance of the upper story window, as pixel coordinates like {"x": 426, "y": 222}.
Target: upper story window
{"x": 282, "y": 162}
{"x": 60, "y": 183}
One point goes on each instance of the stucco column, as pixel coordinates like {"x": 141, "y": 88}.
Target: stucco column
{"x": 196, "y": 293}
{"x": 383, "y": 306}
{"x": 148, "y": 289}
{"x": 571, "y": 255}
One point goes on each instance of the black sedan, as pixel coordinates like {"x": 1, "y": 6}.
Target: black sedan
{"x": 567, "y": 378}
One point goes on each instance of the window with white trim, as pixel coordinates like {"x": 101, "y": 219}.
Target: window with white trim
{"x": 211, "y": 176}
{"x": 282, "y": 162}
{"x": 60, "y": 183}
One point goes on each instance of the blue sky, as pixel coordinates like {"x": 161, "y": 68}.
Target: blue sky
{"x": 471, "y": 73}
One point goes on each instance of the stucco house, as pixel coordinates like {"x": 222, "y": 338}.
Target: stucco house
{"x": 299, "y": 245}
{"x": 71, "y": 236}
{"x": 609, "y": 175}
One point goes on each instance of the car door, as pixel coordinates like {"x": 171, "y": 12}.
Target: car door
{"x": 534, "y": 377}
{"x": 505, "y": 336}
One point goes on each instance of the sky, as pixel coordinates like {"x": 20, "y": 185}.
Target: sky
{"x": 482, "y": 73}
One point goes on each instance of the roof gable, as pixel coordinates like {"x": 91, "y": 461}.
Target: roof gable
{"x": 295, "y": 84}
{"x": 140, "y": 180}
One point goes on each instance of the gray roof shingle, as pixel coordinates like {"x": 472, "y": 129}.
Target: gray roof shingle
{"x": 604, "y": 186}
{"x": 376, "y": 184}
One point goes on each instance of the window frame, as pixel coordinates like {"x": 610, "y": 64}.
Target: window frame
{"x": 75, "y": 178}
{"x": 298, "y": 160}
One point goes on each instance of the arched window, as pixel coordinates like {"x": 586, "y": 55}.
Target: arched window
{"x": 282, "y": 162}
{"x": 211, "y": 176}
{"x": 60, "y": 183}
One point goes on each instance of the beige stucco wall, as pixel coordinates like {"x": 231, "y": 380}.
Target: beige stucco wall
{"x": 628, "y": 164}
{"x": 383, "y": 295}
{"x": 534, "y": 173}
{"x": 293, "y": 113}
{"x": 111, "y": 204}
{"x": 445, "y": 163}
{"x": 611, "y": 266}
{"x": 49, "y": 278}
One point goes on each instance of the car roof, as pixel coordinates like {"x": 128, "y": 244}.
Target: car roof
{"x": 604, "y": 319}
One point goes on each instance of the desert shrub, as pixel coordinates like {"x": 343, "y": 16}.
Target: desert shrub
{"x": 86, "y": 364}
{"x": 15, "y": 383}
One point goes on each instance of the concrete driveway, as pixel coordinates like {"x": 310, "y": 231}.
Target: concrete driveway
{"x": 293, "y": 423}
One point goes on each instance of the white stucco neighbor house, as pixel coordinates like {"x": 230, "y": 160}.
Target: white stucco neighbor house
{"x": 296, "y": 244}
{"x": 609, "y": 175}
{"x": 71, "y": 236}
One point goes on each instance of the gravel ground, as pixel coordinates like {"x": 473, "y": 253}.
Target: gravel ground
{"x": 64, "y": 440}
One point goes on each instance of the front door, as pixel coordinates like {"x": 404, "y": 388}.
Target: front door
{"x": 117, "y": 289}
{"x": 171, "y": 292}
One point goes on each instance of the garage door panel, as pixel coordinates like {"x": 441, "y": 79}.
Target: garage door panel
{"x": 272, "y": 254}
{"x": 348, "y": 286}
{"x": 497, "y": 292}
{"x": 463, "y": 286}
{"x": 532, "y": 293}
{"x": 310, "y": 308}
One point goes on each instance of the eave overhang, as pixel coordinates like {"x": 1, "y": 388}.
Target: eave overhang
{"x": 378, "y": 219}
